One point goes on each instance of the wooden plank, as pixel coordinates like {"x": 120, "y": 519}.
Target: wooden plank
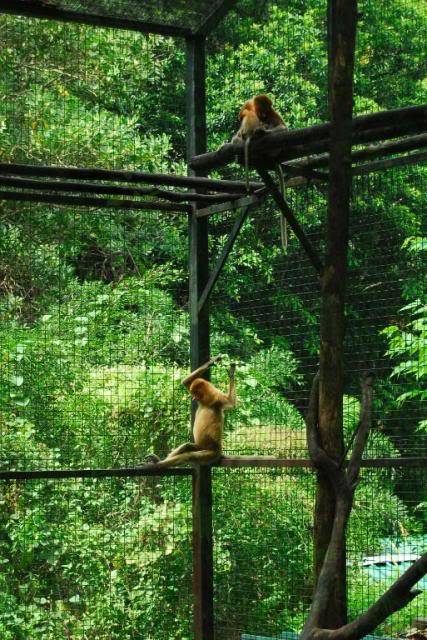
{"x": 78, "y": 173}
{"x": 34, "y": 9}
{"x": 231, "y": 205}
{"x": 100, "y": 203}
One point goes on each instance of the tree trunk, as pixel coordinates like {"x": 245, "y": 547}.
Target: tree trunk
{"x": 342, "y": 25}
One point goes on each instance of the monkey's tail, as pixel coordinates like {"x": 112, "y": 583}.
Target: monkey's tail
{"x": 247, "y": 141}
{"x": 283, "y": 221}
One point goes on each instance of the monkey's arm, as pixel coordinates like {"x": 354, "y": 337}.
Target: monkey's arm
{"x": 198, "y": 372}
{"x": 231, "y": 396}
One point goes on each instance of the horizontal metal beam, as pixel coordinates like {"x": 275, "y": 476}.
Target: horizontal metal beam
{"x": 143, "y": 177}
{"x": 123, "y": 472}
{"x": 85, "y": 201}
{"x": 235, "y": 462}
{"x": 34, "y": 9}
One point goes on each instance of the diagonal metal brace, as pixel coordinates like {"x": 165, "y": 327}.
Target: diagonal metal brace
{"x": 293, "y": 222}
{"x": 224, "y": 255}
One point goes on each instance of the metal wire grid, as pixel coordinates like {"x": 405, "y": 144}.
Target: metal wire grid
{"x": 263, "y": 550}
{"x": 96, "y": 559}
{"x": 90, "y": 369}
{"x": 276, "y": 298}
{"x": 186, "y": 13}
{"x": 275, "y": 338}
{"x": 75, "y": 95}
{"x": 256, "y": 308}
{"x": 383, "y": 547}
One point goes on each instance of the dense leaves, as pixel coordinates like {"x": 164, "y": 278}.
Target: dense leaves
{"x": 95, "y": 333}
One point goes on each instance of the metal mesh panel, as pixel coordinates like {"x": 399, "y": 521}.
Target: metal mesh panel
{"x": 277, "y": 306}
{"x": 96, "y": 558}
{"x": 90, "y": 373}
{"x": 263, "y": 550}
{"x": 385, "y": 545}
{"x": 76, "y": 95}
{"x": 95, "y": 334}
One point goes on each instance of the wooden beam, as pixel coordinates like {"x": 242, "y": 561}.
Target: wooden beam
{"x": 342, "y": 128}
{"x": 373, "y": 151}
{"x": 100, "y": 203}
{"x": 370, "y": 167}
{"x": 230, "y": 206}
{"x": 35, "y": 9}
{"x": 199, "y": 345}
{"x": 390, "y": 163}
{"x": 166, "y": 179}
{"x": 279, "y": 146}
{"x": 293, "y": 222}
{"x": 113, "y": 189}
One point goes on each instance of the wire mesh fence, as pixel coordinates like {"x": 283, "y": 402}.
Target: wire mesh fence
{"x": 93, "y": 341}
{"x": 95, "y": 334}
{"x": 94, "y": 558}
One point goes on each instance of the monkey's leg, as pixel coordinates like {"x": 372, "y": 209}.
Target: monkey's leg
{"x": 183, "y": 448}
{"x": 203, "y": 456}
{"x": 153, "y": 459}
{"x": 150, "y": 458}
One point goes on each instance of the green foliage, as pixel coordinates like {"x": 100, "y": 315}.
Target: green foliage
{"x": 407, "y": 344}
{"x": 94, "y": 336}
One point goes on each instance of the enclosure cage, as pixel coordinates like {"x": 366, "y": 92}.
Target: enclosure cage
{"x": 120, "y": 254}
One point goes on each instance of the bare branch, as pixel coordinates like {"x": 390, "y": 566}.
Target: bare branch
{"x": 330, "y": 568}
{"x": 395, "y": 598}
{"x": 362, "y": 431}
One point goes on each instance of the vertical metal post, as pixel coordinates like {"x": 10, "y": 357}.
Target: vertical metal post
{"x": 342, "y": 20}
{"x": 199, "y": 345}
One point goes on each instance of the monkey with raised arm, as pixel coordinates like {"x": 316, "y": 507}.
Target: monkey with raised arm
{"x": 208, "y": 422}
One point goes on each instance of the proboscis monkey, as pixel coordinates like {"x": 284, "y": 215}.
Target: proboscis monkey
{"x": 258, "y": 114}
{"x": 208, "y": 423}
